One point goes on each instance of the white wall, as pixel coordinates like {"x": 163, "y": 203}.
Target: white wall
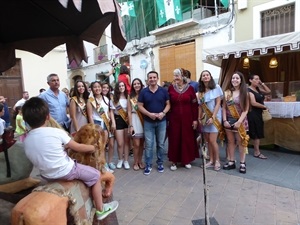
{"x": 36, "y": 69}
{"x": 222, "y": 37}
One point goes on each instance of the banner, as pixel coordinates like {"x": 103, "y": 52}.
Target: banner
{"x": 127, "y": 9}
{"x": 168, "y": 9}
{"x": 225, "y": 3}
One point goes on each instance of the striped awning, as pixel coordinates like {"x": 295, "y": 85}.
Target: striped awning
{"x": 258, "y": 46}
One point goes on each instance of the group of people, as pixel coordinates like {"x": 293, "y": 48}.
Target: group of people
{"x": 237, "y": 110}
{"x": 147, "y": 117}
{"x": 233, "y": 115}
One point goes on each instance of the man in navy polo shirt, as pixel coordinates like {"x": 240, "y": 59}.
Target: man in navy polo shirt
{"x": 154, "y": 103}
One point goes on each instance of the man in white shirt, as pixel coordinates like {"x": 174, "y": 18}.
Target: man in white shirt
{"x": 22, "y": 100}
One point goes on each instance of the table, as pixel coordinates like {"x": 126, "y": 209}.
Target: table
{"x": 284, "y": 127}
{"x": 284, "y": 109}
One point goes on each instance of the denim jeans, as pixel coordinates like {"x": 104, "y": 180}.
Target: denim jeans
{"x": 155, "y": 130}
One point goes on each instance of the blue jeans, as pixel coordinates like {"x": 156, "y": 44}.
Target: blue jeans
{"x": 154, "y": 131}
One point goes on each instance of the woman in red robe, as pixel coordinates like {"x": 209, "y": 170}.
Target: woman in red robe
{"x": 182, "y": 122}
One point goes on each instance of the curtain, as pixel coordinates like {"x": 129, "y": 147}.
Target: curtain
{"x": 228, "y": 67}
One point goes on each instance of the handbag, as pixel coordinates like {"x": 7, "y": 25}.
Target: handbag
{"x": 266, "y": 115}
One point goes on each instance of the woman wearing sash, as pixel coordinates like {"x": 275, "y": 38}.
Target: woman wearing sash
{"x": 107, "y": 91}
{"x": 235, "y": 109}
{"x": 78, "y": 106}
{"x": 182, "y": 122}
{"x": 119, "y": 119}
{"x": 136, "y": 130}
{"x": 98, "y": 110}
{"x": 209, "y": 97}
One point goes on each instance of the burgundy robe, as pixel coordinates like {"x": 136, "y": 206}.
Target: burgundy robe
{"x": 181, "y": 135}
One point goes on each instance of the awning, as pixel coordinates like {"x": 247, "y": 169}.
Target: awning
{"x": 215, "y": 55}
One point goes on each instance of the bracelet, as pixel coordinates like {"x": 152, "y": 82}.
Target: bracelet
{"x": 224, "y": 121}
{"x": 130, "y": 126}
{"x": 262, "y": 84}
{"x": 163, "y": 112}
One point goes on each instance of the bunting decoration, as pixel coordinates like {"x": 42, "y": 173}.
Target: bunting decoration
{"x": 127, "y": 9}
{"x": 168, "y": 9}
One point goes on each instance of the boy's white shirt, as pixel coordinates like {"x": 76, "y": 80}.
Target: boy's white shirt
{"x": 2, "y": 126}
{"x": 44, "y": 148}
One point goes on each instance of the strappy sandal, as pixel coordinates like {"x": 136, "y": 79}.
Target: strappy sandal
{"x": 230, "y": 165}
{"x": 242, "y": 167}
{"x": 141, "y": 165}
{"x": 217, "y": 166}
{"x": 136, "y": 167}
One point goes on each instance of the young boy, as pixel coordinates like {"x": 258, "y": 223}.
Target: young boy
{"x": 45, "y": 148}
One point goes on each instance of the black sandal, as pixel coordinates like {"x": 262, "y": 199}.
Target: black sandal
{"x": 230, "y": 165}
{"x": 242, "y": 167}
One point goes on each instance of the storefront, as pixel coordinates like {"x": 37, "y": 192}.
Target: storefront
{"x": 276, "y": 59}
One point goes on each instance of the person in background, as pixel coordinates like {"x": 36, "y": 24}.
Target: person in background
{"x": 22, "y": 100}
{"x": 6, "y": 116}
{"x": 2, "y": 122}
{"x": 57, "y": 101}
{"x": 45, "y": 148}
{"x": 78, "y": 106}
{"x": 183, "y": 122}
{"x": 119, "y": 118}
{"x": 41, "y": 90}
{"x": 209, "y": 97}
{"x": 124, "y": 77}
{"x": 235, "y": 109}
{"x": 154, "y": 103}
{"x": 136, "y": 122}
{"x": 66, "y": 91}
{"x": 194, "y": 84}
{"x": 256, "y": 90}
{"x": 20, "y": 124}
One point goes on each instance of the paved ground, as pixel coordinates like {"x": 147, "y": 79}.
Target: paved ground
{"x": 269, "y": 194}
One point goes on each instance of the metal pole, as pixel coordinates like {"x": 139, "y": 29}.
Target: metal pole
{"x": 206, "y": 200}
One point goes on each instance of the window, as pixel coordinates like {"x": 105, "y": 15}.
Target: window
{"x": 278, "y": 20}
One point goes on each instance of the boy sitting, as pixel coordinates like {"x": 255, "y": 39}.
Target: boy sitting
{"x": 45, "y": 148}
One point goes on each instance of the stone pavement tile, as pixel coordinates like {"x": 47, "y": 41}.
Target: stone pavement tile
{"x": 243, "y": 215}
{"x": 265, "y": 213}
{"x": 137, "y": 221}
{"x": 180, "y": 221}
{"x": 159, "y": 221}
{"x": 147, "y": 214}
{"x": 286, "y": 217}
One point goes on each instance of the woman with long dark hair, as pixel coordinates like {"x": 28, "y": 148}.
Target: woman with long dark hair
{"x": 119, "y": 125}
{"x": 209, "y": 98}
{"x": 235, "y": 109}
{"x": 78, "y": 106}
{"x": 136, "y": 130}
{"x": 257, "y": 90}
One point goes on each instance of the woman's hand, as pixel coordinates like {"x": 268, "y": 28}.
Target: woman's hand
{"x": 195, "y": 124}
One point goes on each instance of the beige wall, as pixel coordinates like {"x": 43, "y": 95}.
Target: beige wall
{"x": 244, "y": 20}
{"x": 35, "y": 69}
